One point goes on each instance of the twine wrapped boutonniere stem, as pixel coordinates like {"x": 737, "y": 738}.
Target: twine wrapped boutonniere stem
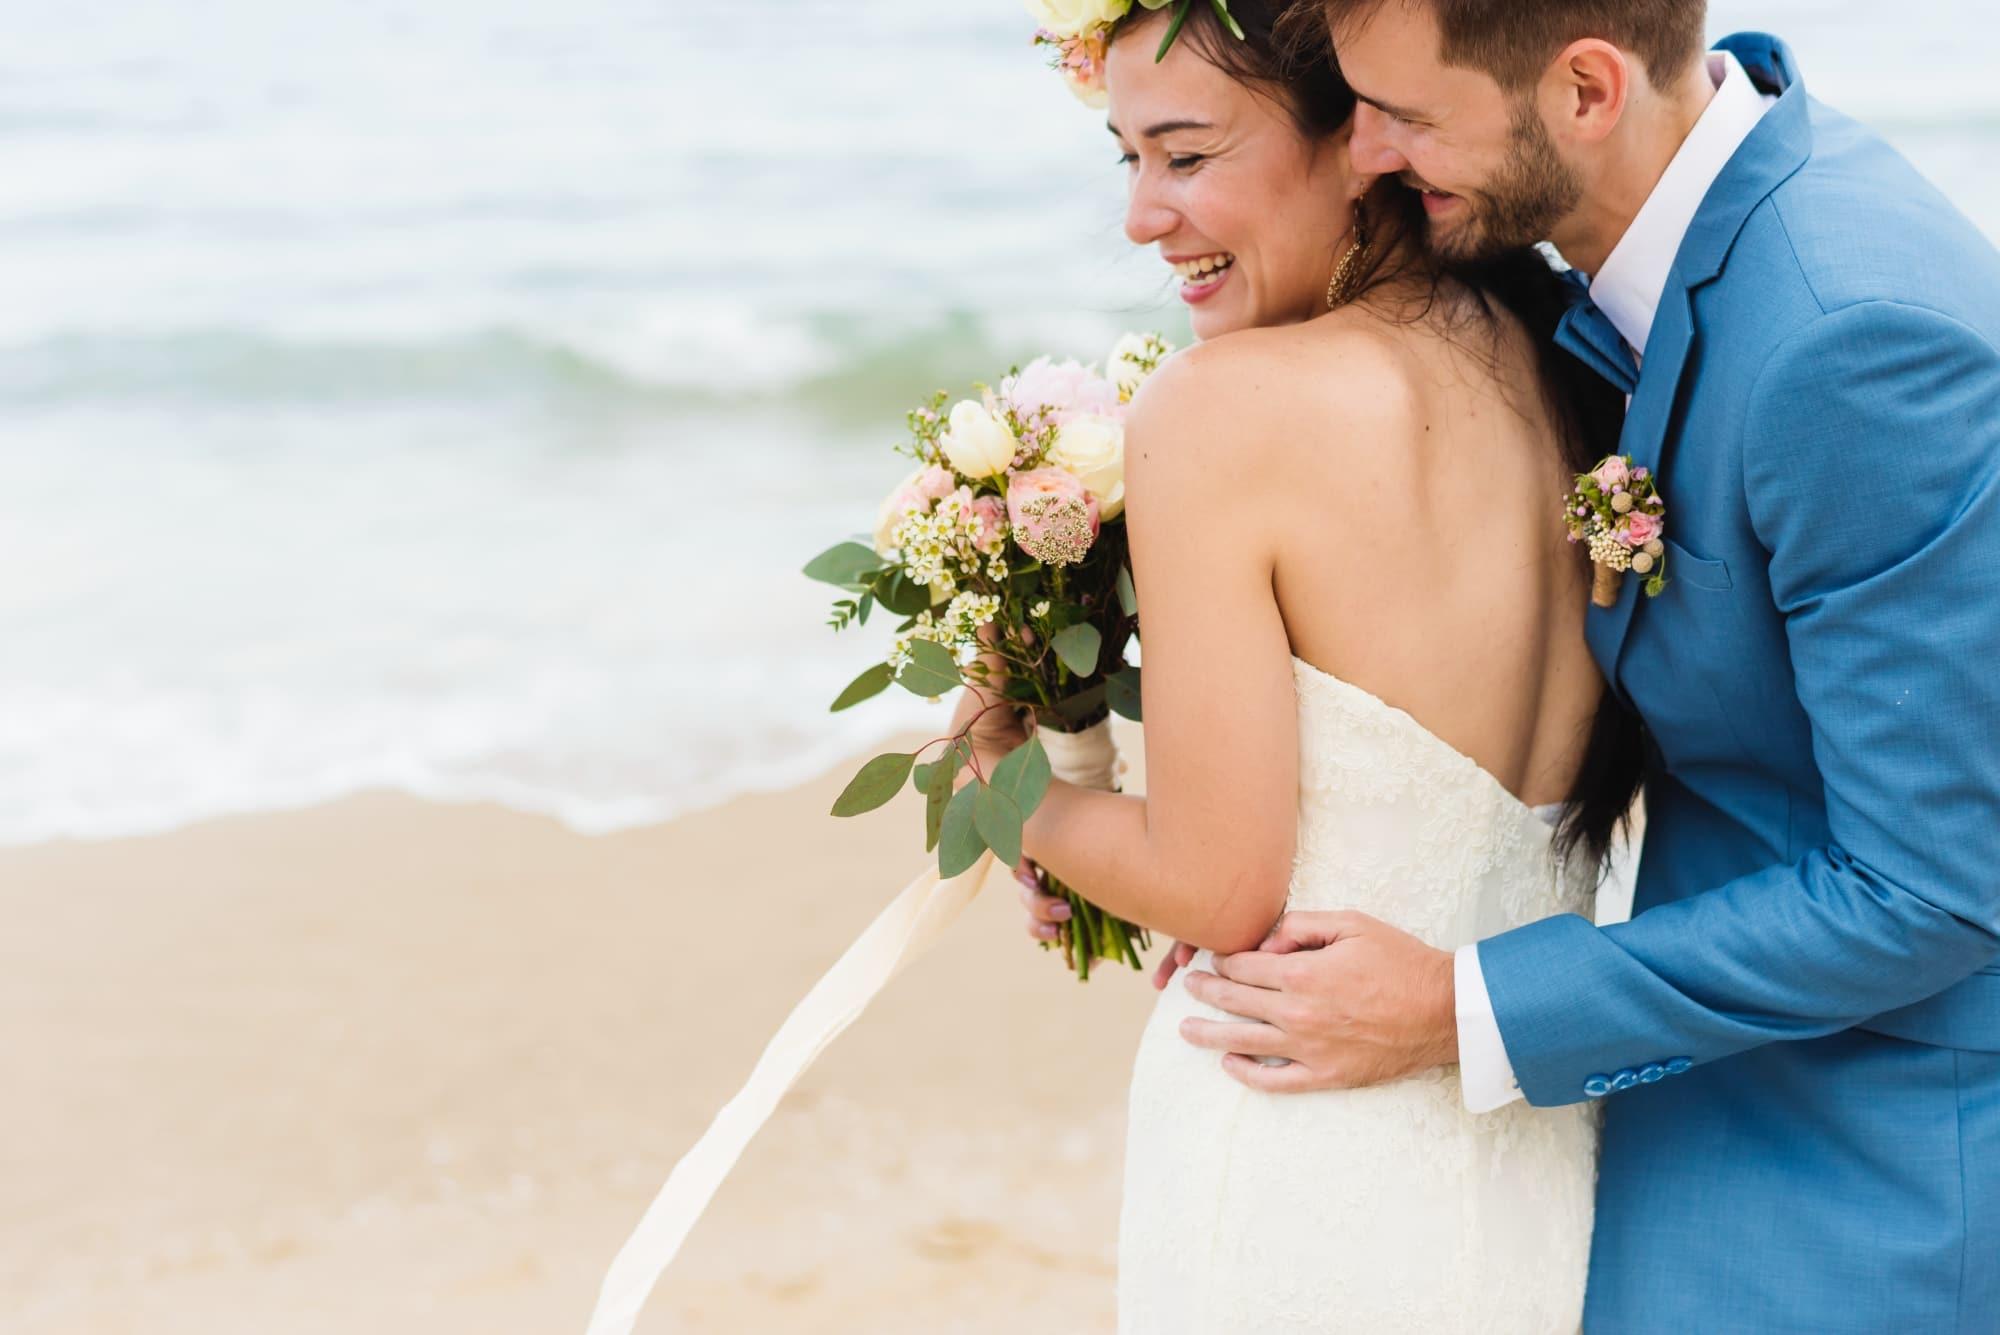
{"x": 1616, "y": 509}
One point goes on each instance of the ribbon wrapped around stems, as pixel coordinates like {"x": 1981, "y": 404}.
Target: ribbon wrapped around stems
{"x": 900, "y": 934}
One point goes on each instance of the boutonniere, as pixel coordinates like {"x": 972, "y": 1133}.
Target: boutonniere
{"x": 1618, "y": 511}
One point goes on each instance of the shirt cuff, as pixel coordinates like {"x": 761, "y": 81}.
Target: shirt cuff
{"x": 1486, "y": 1077}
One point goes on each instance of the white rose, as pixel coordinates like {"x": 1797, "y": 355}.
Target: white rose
{"x": 978, "y": 443}
{"x": 1092, "y": 450}
{"x": 1070, "y": 18}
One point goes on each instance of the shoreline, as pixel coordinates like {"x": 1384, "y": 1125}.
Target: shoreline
{"x": 410, "y": 1066}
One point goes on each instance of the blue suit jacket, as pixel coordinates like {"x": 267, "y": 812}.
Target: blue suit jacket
{"x": 1819, "y": 900}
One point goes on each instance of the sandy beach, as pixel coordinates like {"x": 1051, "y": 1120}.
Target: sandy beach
{"x": 395, "y": 1066}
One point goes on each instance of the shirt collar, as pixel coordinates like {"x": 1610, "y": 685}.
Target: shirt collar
{"x": 1629, "y": 285}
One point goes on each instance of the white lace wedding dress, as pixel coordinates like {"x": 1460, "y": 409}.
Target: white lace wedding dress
{"x": 1380, "y": 1210}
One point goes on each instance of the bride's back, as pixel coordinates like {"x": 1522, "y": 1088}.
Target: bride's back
{"x": 1419, "y": 550}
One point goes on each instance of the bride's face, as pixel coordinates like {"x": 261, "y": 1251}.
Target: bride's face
{"x": 1249, "y": 211}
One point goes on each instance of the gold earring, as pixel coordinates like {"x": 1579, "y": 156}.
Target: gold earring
{"x": 1347, "y": 274}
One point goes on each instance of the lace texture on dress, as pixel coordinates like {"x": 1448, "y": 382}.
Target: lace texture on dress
{"x": 1378, "y": 1210}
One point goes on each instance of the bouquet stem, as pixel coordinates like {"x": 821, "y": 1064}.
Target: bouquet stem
{"x": 1090, "y": 760}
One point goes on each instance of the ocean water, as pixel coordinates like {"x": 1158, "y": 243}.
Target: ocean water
{"x": 443, "y": 396}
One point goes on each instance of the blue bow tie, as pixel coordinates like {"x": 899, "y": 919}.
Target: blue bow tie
{"x": 1587, "y": 334}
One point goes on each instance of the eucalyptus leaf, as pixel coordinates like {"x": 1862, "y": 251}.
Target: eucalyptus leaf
{"x": 848, "y": 565}
{"x": 879, "y": 780}
{"x": 1128, "y": 597}
{"x": 998, "y": 821}
{"x": 959, "y": 844}
{"x": 1023, "y": 777}
{"x": 901, "y": 594}
{"x": 1078, "y": 648}
{"x": 1121, "y": 691}
{"x": 1081, "y": 710}
{"x": 874, "y": 681}
{"x": 938, "y": 795}
{"x": 931, "y": 671}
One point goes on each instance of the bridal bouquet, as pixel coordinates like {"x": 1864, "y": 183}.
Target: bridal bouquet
{"x": 1003, "y": 553}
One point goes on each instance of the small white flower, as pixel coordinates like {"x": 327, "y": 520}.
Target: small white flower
{"x": 1040, "y": 609}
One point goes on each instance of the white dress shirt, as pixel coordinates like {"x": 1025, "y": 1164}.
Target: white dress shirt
{"x": 1627, "y": 289}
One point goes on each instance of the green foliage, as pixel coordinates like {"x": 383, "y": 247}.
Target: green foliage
{"x": 1078, "y": 648}
{"x": 848, "y": 565}
{"x": 1121, "y": 691}
{"x": 959, "y": 844}
{"x": 879, "y": 780}
{"x": 1128, "y": 597}
{"x": 1080, "y": 711}
{"x": 931, "y": 672}
{"x": 937, "y": 781}
{"x": 873, "y": 682}
{"x": 901, "y": 594}
{"x": 1023, "y": 777}
{"x": 998, "y": 822}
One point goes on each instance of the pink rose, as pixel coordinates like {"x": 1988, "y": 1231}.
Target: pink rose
{"x": 1054, "y": 517}
{"x": 1063, "y": 390}
{"x": 936, "y": 483}
{"x": 992, "y": 516}
{"x": 1640, "y": 529}
{"x": 895, "y": 507}
{"x": 1613, "y": 472}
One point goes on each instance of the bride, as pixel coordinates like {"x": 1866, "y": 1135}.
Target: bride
{"x": 1366, "y": 686}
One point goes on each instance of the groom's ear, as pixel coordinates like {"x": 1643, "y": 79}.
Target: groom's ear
{"x": 1584, "y": 90}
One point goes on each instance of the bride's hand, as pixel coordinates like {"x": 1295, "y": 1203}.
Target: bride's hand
{"x": 1172, "y": 963}
{"x": 993, "y": 726}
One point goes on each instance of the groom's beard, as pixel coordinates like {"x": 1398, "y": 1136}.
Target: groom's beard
{"x": 1533, "y": 190}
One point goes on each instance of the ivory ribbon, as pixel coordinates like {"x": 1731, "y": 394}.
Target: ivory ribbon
{"x": 898, "y": 936}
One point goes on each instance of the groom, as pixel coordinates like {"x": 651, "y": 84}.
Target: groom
{"x": 1797, "y": 1037}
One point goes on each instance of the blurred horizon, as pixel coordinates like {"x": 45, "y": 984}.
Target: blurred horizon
{"x": 444, "y": 397}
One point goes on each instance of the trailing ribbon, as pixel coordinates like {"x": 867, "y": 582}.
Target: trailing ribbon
{"x": 901, "y": 933}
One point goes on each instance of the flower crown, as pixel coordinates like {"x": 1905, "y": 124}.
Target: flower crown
{"x": 1079, "y": 31}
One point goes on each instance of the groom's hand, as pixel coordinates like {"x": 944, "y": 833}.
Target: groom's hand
{"x": 1346, "y": 999}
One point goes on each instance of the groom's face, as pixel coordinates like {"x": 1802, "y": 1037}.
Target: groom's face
{"x": 1489, "y": 173}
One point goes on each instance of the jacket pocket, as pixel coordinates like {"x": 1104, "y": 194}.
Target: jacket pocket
{"x": 1696, "y": 570}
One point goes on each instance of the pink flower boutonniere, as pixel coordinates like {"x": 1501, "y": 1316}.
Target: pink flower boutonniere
{"x": 1617, "y": 510}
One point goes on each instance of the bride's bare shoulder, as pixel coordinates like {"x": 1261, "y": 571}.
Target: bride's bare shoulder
{"x": 1333, "y": 388}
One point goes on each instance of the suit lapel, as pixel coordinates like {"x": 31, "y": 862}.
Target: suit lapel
{"x": 1779, "y": 146}
{"x": 1645, "y": 439}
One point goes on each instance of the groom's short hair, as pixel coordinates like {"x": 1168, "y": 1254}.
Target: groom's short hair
{"x": 1514, "y": 40}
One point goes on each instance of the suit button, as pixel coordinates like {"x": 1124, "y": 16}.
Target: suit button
{"x": 1652, "y": 1073}
{"x": 1597, "y": 1086}
{"x": 1680, "y": 1066}
{"x": 1623, "y": 1081}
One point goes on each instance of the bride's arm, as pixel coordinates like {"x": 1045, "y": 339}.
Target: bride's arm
{"x": 1206, "y": 855}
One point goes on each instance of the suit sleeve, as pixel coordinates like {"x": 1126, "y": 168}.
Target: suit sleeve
{"x": 1873, "y": 480}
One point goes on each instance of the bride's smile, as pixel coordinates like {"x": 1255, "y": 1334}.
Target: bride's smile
{"x": 1201, "y": 276}
{"x": 1247, "y": 203}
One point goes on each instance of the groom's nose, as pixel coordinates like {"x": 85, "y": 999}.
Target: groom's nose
{"x": 1370, "y": 147}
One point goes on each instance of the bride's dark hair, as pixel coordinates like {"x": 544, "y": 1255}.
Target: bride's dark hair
{"x": 1286, "y": 54}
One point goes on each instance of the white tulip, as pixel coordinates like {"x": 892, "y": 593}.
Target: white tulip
{"x": 978, "y": 443}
